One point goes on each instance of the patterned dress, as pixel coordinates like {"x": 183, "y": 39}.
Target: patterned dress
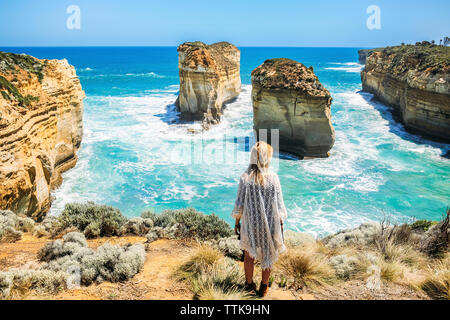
{"x": 261, "y": 210}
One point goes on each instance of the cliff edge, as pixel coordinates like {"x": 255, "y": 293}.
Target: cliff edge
{"x": 40, "y": 130}
{"x": 415, "y": 81}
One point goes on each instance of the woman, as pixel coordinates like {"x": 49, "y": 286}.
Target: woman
{"x": 260, "y": 208}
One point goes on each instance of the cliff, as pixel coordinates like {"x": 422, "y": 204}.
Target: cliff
{"x": 40, "y": 130}
{"x": 363, "y": 54}
{"x": 288, "y": 96}
{"x": 209, "y": 78}
{"x": 414, "y": 80}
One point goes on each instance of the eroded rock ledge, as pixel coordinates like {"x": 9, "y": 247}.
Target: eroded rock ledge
{"x": 209, "y": 77}
{"x": 40, "y": 130}
{"x": 288, "y": 96}
{"x": 414, "y": 80}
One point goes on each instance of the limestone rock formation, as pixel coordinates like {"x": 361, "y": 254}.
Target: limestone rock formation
{"x": 363, "y": 54}
{"x": 288, "y": 96}
{"x": 209, "y": 78}
{"x": 40, "y": 130}
{"x": 415, "y": 81}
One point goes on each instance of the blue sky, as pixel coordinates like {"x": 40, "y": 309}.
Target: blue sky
{"x": 245, "y": 23}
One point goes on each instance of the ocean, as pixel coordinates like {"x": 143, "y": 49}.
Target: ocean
{"x": 136, "y": 155}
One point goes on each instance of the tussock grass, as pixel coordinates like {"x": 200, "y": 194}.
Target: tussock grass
{"x": 212, "y": 276}
{"x": 204, "y": 259}
{"x": 437, "y": 283}
{"x": 306, "y": 266}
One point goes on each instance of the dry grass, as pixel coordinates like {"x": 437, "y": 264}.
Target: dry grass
{"x": 306, "y": 266}
{"x": 437, "y": 283}
{"x": 211, "y": 292}
{"x": 203, "y": 260}
{"x": 212, "y": 276}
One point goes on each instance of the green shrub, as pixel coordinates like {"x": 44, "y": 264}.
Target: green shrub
{"x": 423, "y": 225}
{"x": 92, "y": 219}
{"x": 12, "y": 226}
{"x": 31, "y": 65}
{"x": 137, "y": 226}
{"x": 190, "y": 223}
{"x": 228, "y": 246}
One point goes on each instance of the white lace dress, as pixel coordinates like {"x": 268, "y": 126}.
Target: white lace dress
{"x": 261, "y": 209}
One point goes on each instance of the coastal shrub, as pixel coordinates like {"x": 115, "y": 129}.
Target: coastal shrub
{"x": 346, "y": 267}
{"x": 13, "y": 92}
{"x": 437, "y": 238}
{"x": 365, "y": 234}
{"x": 422, "y": 225}
{"x": 108, "y": 263}
{"x": 189, "y": 223}
{"x": 230, "y": 246}
{"x": 17, "y": 281}
{"x": 296, "y": 239}
{"x": 12, "y": 226}
{"x": 92, "y": 219}
{"x": 46, "y": 227}
{"x": 137, "y": 226}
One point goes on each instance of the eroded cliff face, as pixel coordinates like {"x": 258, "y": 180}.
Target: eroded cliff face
{"x": 288, "y": 96}
{"x": 209, "y": 78}
{"x": 414, "y": 80}
{"x": 40, "y": 130}
{"x": 363, "y": 54}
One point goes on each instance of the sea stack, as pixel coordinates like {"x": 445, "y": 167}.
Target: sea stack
{"x": 288, "y": 96}
{"x": 209, "y": 78}
{"x": 414, "y": 80}
{"x": 41, "y": 109}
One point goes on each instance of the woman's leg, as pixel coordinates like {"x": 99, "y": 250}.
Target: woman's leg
{"x": 249, "y": 264}
{"x": 266, "y": 276}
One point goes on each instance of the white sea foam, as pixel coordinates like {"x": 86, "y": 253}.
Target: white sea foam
{"x": 346, "y": 69}
{"x": 135, "y": 149}
{"x": 123, "y": 75}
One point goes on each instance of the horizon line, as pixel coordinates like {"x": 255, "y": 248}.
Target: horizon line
{"x": 173, "y": 46}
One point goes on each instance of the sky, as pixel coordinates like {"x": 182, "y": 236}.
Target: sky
{"x": 316, "y": 23}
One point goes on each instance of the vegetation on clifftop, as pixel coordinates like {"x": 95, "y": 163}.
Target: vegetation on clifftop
{"x": 10, "y": 92}
{"x": 404, "y": 261}
{"x": 282, "y": 73}
{"x": 9, "y": 62}
{"x": 423, "y": 56}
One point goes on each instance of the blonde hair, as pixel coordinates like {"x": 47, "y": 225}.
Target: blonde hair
{"x": 260, "y": 157}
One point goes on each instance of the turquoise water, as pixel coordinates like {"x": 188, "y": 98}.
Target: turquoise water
{"x": 136, "y": 155}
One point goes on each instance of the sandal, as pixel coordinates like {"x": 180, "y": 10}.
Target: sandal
{"x": 250, "y": 287}
{"x": 263, "y": 289}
